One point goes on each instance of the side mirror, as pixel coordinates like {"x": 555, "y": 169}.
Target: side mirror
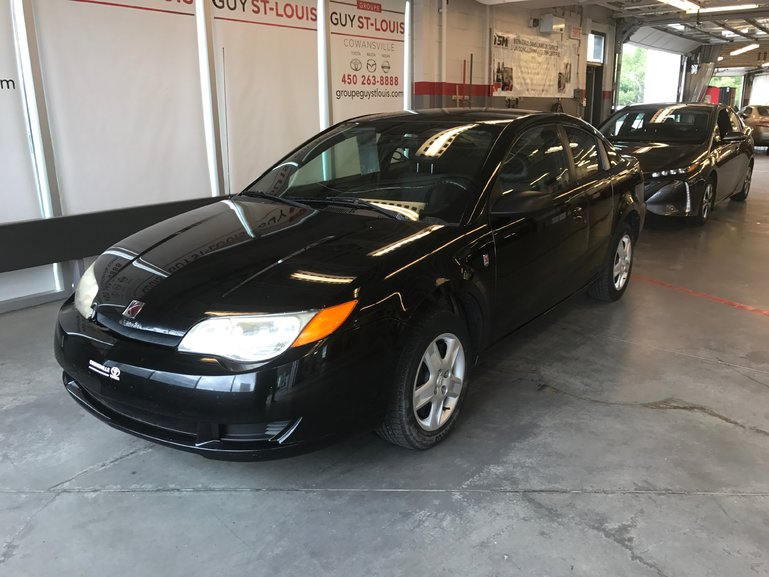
{"x": 522, "y": 203}
{"x": 734, "y": 137}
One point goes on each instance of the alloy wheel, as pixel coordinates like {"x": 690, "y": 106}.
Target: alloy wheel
{"x": 707, "y": 201}
{"x": 439, "y": 381}
{"x": 623, "y": 259}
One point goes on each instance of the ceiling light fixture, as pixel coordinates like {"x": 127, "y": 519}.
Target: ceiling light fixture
{"x": 684, "y": 5}
{"x": 743, "y": 50}
{"x": 720, "y": 58}
{"x": 765, "y": 64}
{"x": 724, "y": 8}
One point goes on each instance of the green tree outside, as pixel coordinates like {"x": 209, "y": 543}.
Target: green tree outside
{"x": 632, "y": 75}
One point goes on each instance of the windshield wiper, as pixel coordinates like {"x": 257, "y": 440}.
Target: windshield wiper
{"x": 357, "y": 203}
{"x": 283, "y": 199}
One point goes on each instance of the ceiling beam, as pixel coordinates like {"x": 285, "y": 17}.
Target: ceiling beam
{"x": 706, "y": 33}
{"x": 684, "y": 18}
{"x": 678, "y": 33}
{"x": 757, "y": 25}
{"x": 725, "y": 26}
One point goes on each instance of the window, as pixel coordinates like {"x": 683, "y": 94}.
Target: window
{"x": 584, "y": 150}
{"x": 420, "y": 170}
{"x": 595, "y": 51}
{"x": 537, "y": 161}
{"x": 735, "y": 122}
{"x": 674, "y": 123}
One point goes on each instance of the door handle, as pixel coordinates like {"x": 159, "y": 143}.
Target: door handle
{"x": 577, "y": 213}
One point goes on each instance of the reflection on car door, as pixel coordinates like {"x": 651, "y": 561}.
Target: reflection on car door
{"x": 727, "y": 156}
{"x": 591, "y": 180}
{"x": 538, "y": 255}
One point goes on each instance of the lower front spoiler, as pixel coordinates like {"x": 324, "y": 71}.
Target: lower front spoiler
{"x": 675, "y": 198}
{"x": 205, "y": 443}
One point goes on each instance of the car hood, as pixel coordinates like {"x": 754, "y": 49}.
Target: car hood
{"x": 245, "y": 255}
{"x": 655, "y": 156}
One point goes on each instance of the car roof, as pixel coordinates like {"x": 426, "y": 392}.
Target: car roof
{"x": 458, "y": 114}
{"x": 652, "y": 105}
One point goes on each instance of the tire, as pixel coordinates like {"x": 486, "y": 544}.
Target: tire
{"x": 707, "y": 204}
{"x": 615, "y": 274}
{"x": 742, "y": 196}
{"x": 431, "y": 382}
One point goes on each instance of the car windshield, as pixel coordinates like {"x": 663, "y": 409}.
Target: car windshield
{"x": 675, "y": 123}
{"x": 415, "y": 170}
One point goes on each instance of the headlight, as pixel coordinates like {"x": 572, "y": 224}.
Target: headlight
{"x": 674, "y": 171}
{"x": 253, "y": 338}
{"x": 85, "y": 293}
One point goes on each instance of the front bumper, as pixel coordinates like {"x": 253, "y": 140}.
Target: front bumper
{"x": 666, "y": 197}
{"x": 302, "y": 399}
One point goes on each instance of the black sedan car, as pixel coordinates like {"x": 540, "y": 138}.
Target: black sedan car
{"x": 352, "y": 285}
{"x": 693, "y": 155}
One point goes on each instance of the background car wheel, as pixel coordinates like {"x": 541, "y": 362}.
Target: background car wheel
{"x": 431, "y": 382}
{"x": 743, "y": 194}
{"x": 615, "y": 276}
{"x": 706, "y": 206}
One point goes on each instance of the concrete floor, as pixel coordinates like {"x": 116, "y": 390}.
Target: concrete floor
{"x": 605, "y": 440}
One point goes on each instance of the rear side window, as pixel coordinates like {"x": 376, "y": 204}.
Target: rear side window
{"x": 584, "y": 150}
{"x": 537, "y": 161}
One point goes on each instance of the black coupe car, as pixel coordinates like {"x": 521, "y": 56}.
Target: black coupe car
{"x": 352, "y": 285}
{"x": 693, "y": 155}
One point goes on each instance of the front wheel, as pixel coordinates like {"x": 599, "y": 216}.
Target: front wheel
{"x": 708, "y": 199}
{"x": 615, "y": 275}
{"x": 431, "y": 383}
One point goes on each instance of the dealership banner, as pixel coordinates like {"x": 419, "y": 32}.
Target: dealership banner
{"x": 533, "y": 66}
{"x": 366, "y": 57}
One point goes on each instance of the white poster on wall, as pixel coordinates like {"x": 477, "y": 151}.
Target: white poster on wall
{"x": 366, "y": 57}
{"x": 533, "y": 66}
{"x": 267, "y": 73}
{"x": 122, "y": 84}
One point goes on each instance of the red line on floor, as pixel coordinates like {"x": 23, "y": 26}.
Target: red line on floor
{"x": 701, "y": 295}
{"x": 146, "y": 8}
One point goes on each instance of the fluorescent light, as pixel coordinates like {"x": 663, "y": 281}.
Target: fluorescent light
{"x": 743, "y": 50}
{"x": 682, "y": 5}
{"x": 765, "y": 64}
{"x": 725, "y": 8}
{"x": 720, "y": 58}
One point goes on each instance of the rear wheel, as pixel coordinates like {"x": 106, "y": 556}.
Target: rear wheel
{"x": 431, "y": 383}
{"x": 615, "y": 276}
{"x": 742, "y": 196}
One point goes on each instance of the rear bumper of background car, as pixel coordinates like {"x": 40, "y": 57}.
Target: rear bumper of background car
{"x": 673, "y": 197}
{"x": 311, "y": 395}
{"x": 761, "y": 135}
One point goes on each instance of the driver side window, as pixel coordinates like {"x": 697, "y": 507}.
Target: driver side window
{"x": 537, "y": 161}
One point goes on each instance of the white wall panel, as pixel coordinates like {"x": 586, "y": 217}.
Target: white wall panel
{"x": 18, "y": 194}
{"x": 266, "y": 58}
{"x": 123, "y": 89}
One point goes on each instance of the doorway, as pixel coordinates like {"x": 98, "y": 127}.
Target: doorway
{"x": 594, "y": 94}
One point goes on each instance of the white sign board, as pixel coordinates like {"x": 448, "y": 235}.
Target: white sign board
{"x": 533, "y": 66}
{"x": 366, "y": 57}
